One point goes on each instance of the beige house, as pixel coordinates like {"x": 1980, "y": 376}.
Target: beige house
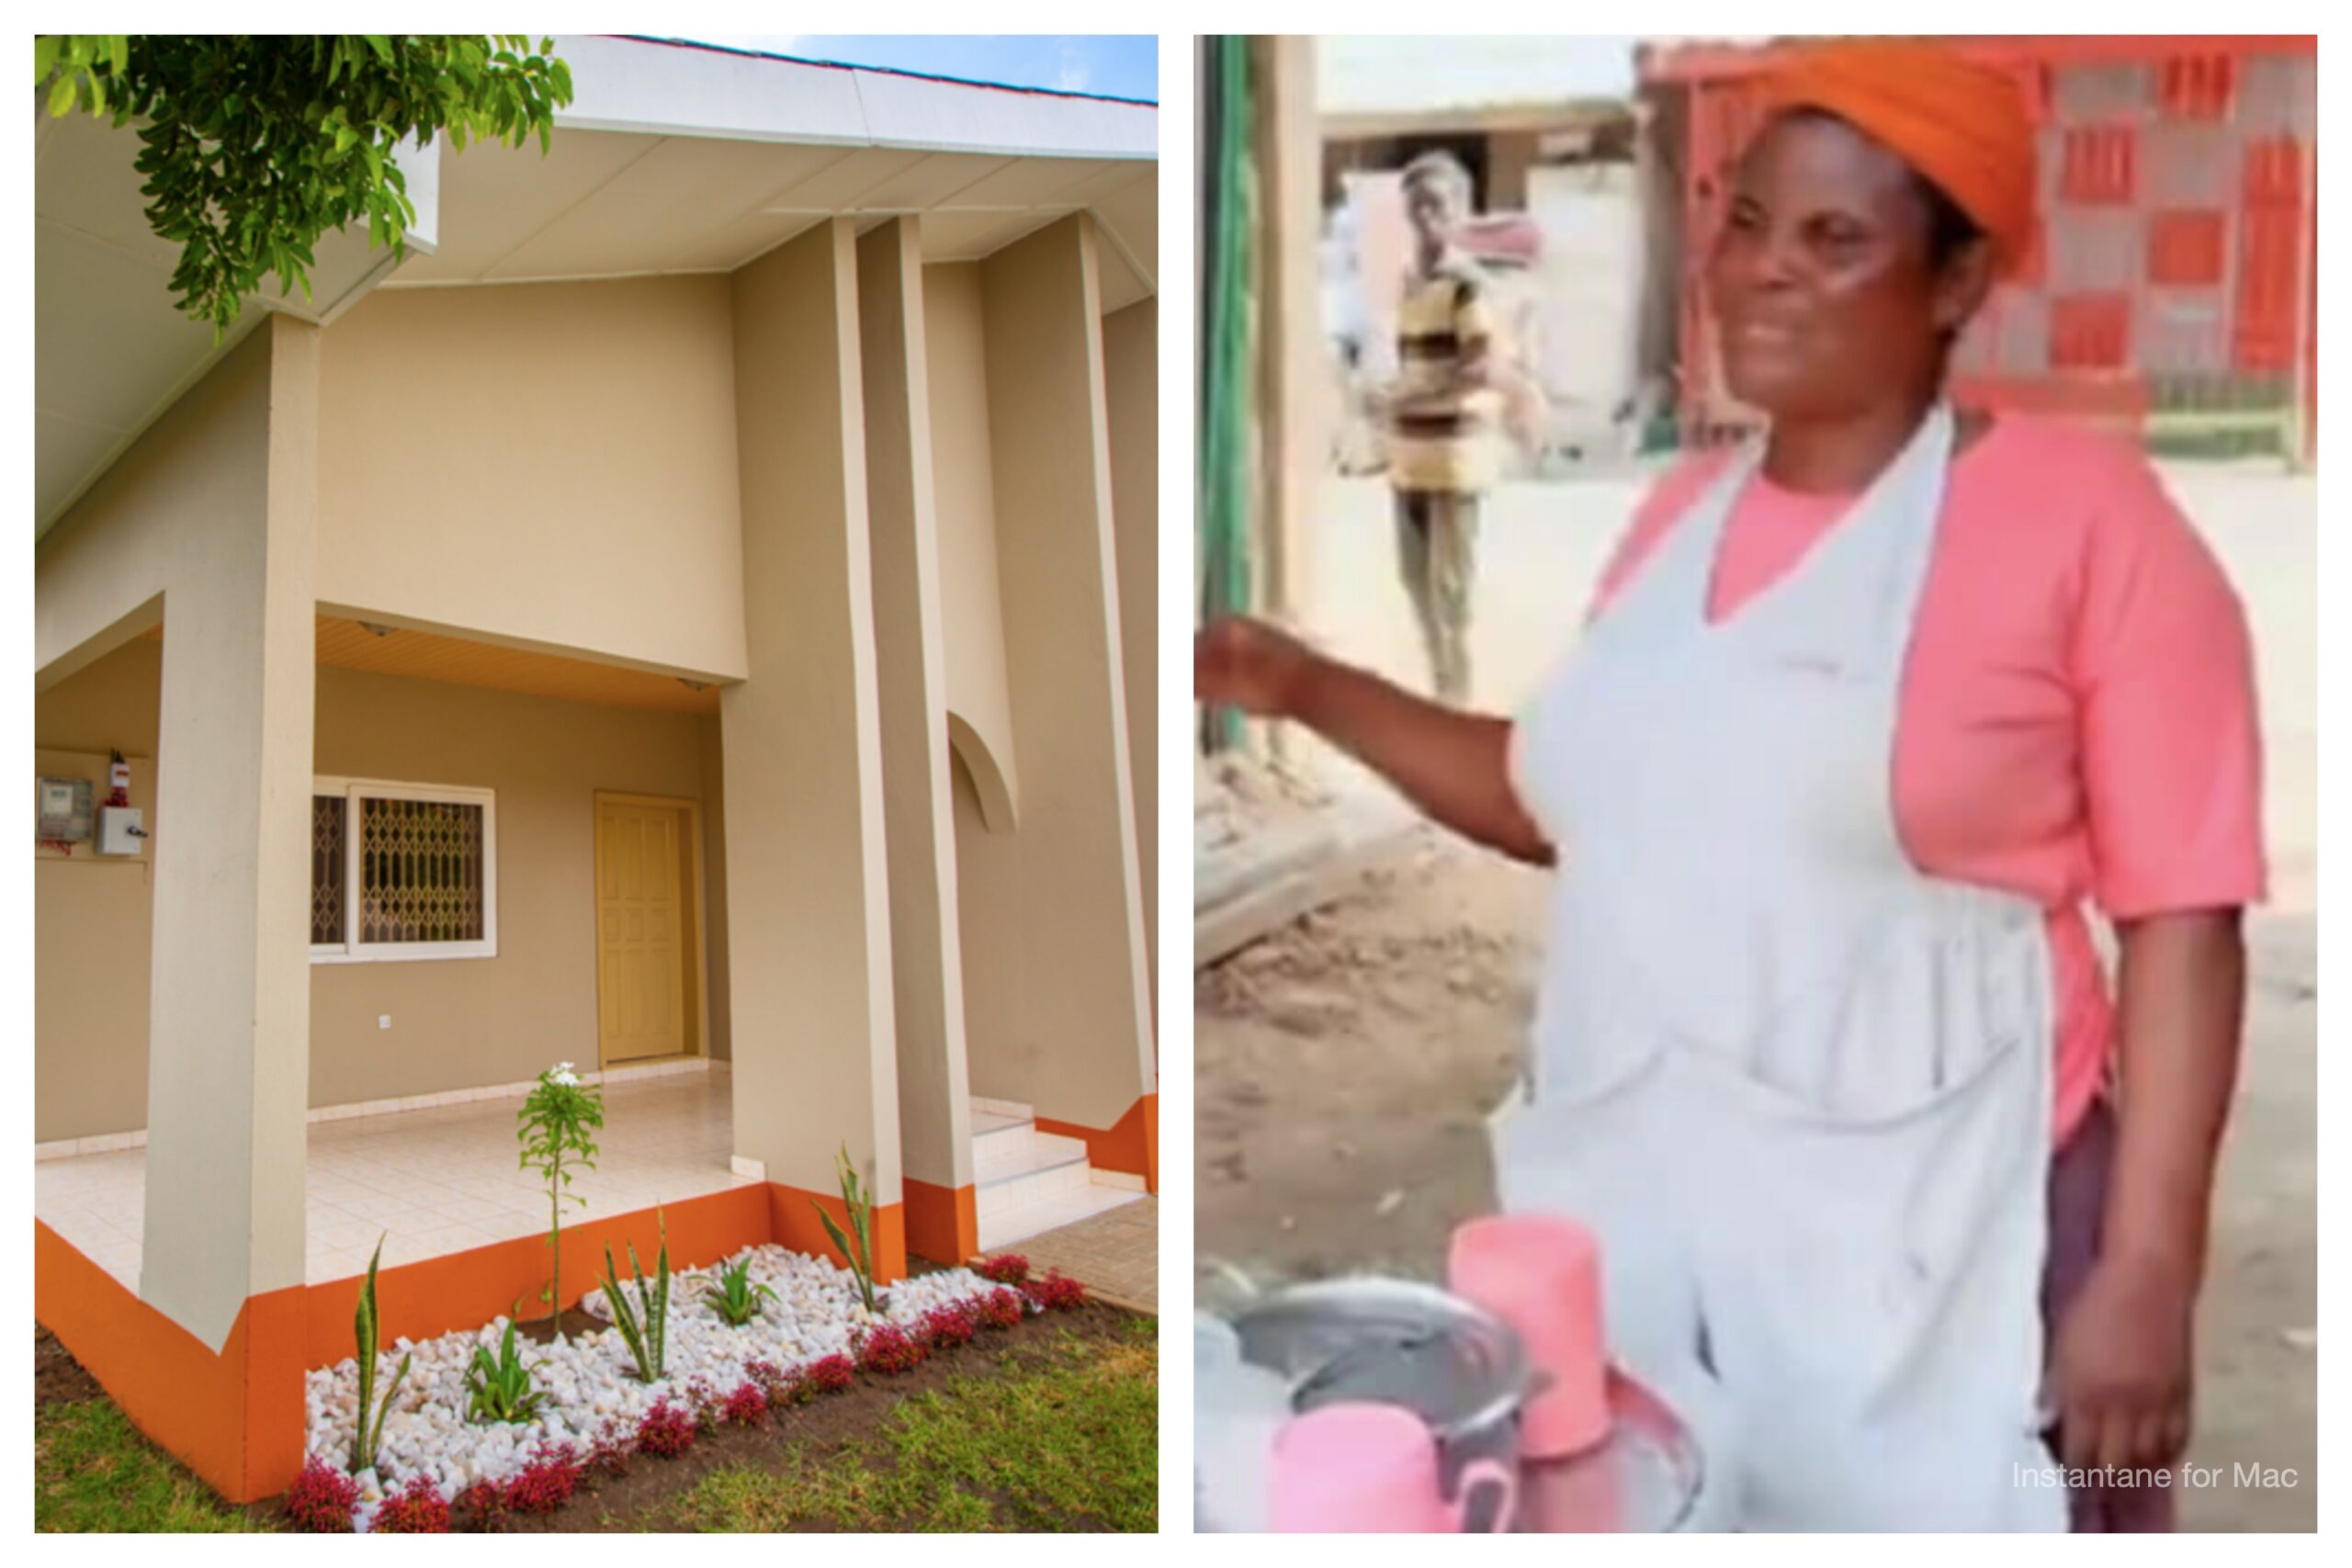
{"x": 692, "y": 619}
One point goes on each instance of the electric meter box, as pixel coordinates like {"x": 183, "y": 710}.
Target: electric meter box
{"x": 62, "y": 808}
{"x": 118, "y": 830}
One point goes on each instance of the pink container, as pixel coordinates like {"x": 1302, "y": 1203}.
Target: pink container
{"x": 1541, "y": 1274}
{"x": 1372, "y": 1469}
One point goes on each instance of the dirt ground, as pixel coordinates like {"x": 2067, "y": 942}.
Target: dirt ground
{"x": 1345, "y": 1065}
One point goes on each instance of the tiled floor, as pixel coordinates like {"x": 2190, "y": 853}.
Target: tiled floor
{"x": 430, "y": 1181}
{"x": 1117, "y": 1252}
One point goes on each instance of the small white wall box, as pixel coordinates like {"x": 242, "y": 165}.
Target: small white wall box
{"x": 62, "y": 808}
{"x": 118, "y": 830}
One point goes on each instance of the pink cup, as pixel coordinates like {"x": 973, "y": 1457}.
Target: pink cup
{"x": 1541, "y": 1274}
{"x": 1361, "y": 1468}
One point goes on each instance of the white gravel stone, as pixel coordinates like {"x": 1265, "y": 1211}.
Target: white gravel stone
{"x": 591, "y": 1378}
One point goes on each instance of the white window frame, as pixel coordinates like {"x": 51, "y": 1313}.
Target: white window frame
{"x": 351, "y": 950}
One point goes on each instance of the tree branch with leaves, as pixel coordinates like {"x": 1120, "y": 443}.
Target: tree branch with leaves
{"x": 253, "y": 147}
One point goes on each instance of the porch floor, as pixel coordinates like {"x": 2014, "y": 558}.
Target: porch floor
{"x": 431, "y": 1181}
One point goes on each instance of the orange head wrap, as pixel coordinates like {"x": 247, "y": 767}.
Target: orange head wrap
{"x": 1960, "y": 125}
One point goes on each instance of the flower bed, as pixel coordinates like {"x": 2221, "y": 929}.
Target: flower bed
{"x": 813, "y": 1324}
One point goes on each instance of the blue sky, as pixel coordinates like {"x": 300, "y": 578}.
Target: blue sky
{"x": 1118, "y": 67}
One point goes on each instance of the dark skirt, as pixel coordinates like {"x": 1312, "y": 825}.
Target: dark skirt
{"x": 2078, "y": 1179}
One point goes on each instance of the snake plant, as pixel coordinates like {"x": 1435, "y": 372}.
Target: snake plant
{"x": 645, "y": 1328}
{"x": 364, "y": 1324}
{"x": 858, "y": 1247}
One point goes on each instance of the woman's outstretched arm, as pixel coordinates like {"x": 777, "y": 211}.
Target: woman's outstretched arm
{"x": 1454, "y": 766}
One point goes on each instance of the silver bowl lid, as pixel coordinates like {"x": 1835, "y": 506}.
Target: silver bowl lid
{"x": 1391, "y": 1340}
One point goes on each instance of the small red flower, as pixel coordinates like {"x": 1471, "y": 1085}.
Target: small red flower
{"x": 708, "y": 1407}
{"x": 485, "y": 1499}
{"x": 1057, "y": 1292}
{"x": 831, "y": 1375}
{"x": 1004, "y": 1268}
{"x": 612, "y": 1445}
{"x": 951, "y": 1323}
{"x": 890, "y": 1350}
{"x": 321, "y": 1498}
{"x": 747, "y": 1406}
{"x": 666, "y": 1432}
{"x": 417, "y": 1509}
{"x": 1000, "y": 1308}
{"x": 545, "y": 1481}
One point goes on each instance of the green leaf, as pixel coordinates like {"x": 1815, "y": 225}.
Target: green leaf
{"x": 246, "y": 155}
{"x": 46, "y": 49}
{"x": 834, "y": 1232}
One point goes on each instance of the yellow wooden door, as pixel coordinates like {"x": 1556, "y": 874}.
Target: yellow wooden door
{"x": 641, "y": 957}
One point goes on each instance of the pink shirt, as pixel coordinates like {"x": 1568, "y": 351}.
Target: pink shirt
{"x": 2077, "y": 719}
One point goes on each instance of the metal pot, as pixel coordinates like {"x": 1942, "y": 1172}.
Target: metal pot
{"x": 1462, "y": 1371}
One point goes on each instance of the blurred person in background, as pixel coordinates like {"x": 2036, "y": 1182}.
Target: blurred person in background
{"x": 1442, "y": 417}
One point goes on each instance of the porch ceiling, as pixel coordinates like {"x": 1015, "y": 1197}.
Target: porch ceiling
{"x": 345, "y": 644}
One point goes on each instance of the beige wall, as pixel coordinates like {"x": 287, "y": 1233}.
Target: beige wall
{"x": 455, "y": 1022}
{"x": 92, "y": 917}
{"x": 1086, "y": 1009}
{"x": 971, "y": 614}
{"x": 464, "y": 1021}
{"x": 1131, "y": 383}
{"x": 552, "y": 464}
{"x": 1000, "y": 1047}
{"x": 816, "y": 1062}
{"x": 213, "y": 509}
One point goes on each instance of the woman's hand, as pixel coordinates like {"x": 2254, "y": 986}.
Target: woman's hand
{"x": 1248, "y": 664}
{"x": 1455, "y": 766}
{"x": 2120, "y": 1373}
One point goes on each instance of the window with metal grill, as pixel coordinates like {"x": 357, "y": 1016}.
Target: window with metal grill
{"x": 402, "y": 871}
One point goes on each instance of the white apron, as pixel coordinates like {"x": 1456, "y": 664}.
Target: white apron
{"x": 1801, "y": 1091}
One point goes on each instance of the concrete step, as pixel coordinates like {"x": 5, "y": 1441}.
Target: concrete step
{"x": 1044, "y": 1165}
{"x": 996, "y": 1135}
{"x": 1003, "y": 1227}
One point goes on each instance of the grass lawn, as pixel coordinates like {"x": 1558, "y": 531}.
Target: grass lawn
{"x": 1055, "y": 1429}
{"x": 92, "y": 1470}
{"x": 1061, "y": 1437}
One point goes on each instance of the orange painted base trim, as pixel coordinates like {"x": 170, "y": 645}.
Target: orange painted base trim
{"x": 466, "y": 1290}
{"x": 794, "y": 1225}
{"x": 234, "y": 1417}
{"x": 1131, "y": 1143}
{"x": 943, "y": 1223}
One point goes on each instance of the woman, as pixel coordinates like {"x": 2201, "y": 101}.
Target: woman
{"x": 1892, "y": 1193}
